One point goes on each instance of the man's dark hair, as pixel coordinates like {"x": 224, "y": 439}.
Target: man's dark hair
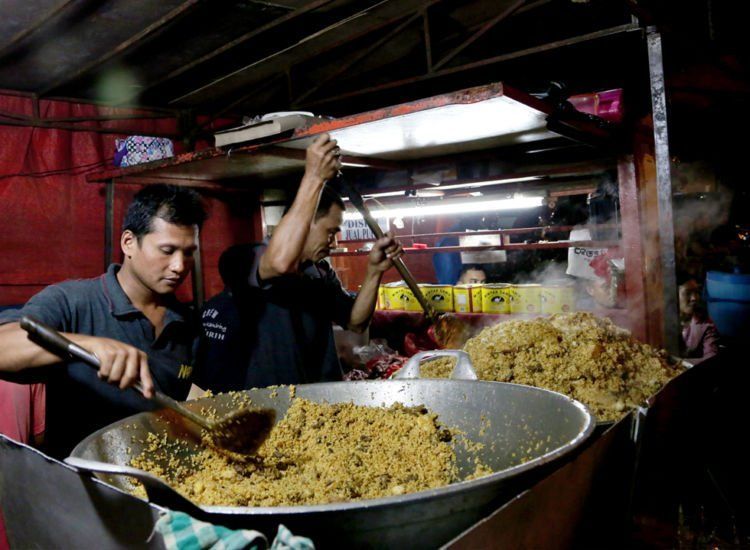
{"x": 235, "y": 265}
{"x": 328, "y": 198}
{"x": 683, "y": 277}
{"x": 173, "y": 204}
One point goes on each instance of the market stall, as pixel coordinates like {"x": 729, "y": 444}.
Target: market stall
{"x": 230, "y": 168}
{"x": 517, "y": 383}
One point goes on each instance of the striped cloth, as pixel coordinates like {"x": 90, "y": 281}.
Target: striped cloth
{"x": 183, "y": 532}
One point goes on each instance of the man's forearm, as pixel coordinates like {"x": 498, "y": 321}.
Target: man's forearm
{"x": 17, "y": 352}
{"x": 119, "y": 363}
{"x": 366, "y": 300}
{"x": 286, "y": 246}
{"x": 284, "y": 252}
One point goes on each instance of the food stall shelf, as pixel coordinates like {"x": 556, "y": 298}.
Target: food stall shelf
{"x": 449, "y": 123}
{"x": 480, "y": 248}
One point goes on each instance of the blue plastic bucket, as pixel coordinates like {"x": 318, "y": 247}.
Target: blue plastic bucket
{"x": 728, "y": 286}
{"x": 732, "y": 318}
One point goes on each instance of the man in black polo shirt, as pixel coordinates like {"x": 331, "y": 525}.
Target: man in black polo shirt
{"x": 129, "y": 317}
{"x": 273, "y": 322}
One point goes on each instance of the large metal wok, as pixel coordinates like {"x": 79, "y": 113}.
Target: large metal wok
{"x": 514, "y": 422}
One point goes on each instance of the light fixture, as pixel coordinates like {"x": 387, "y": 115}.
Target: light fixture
{"x": 445, "y": 129}
{"x": 429, "y": 193}
{"x": 449, "y": 207}
{"x": 472, "y": 184}
{"x": 380, "y": 195}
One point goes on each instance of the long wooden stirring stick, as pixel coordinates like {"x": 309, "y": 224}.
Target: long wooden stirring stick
{"x": 359, "y": 203}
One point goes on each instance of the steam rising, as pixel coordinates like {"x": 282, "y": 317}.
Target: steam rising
{"x": 695, "y": 218}
{"x": 546, "y": 274}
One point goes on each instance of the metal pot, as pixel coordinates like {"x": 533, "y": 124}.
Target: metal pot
{"x": 510, "y": 420}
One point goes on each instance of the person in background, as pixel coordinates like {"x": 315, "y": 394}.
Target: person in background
{"x": 296, "y": 296}
{"x": 229, "y": 323}
{"x": 448, "y": 264}
{"x": 22, "y": 412}
{"x": 472, "y": 274}
{"x": 22, "y": 419}
{"x": 699, "y": 335}
{"x": 128, "y": 317}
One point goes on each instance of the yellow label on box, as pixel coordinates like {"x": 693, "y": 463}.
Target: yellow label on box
{"x": 526, "y": 299}
{"x": 392, "y": 296}
{"x": 409, "y": 301}
{"x": 439, "y": 296}
{"x": 495, "y": 298}
{"x": 467, "y": 298}
{"x": 558, "y": 299}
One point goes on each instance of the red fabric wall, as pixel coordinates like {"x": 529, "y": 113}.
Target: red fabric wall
{"x": 52, "y": 220}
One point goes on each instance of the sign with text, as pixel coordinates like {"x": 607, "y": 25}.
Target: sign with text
{"x": 357, "y": 230}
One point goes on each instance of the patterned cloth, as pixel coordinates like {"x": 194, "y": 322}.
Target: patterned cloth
{"x": 183, "y": 532}
{"x": 139, "y": 149}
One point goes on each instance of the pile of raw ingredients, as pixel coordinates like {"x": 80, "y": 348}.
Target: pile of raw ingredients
{"x": 317, "y": 454}
{"x": 578, "y": 354}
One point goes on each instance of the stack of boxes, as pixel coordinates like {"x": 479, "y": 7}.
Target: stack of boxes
{"x": 496, "y": 298}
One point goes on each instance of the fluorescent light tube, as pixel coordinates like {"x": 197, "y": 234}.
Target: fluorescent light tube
{"x": 464, "y": 185}
{"x": 516, "y": 203}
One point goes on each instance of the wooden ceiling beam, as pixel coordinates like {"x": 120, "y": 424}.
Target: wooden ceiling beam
{"x": 357, "y": 58}
{"x": 611, "y": 31}
{"x": 327, "y": 29}
{"x": 22, "y": 35}
{"x": 237, "y": 41}
{"x": 507, "y": 12}
{"x": 131, "y": 42}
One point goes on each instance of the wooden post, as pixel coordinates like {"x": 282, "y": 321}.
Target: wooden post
{"x": 663, "y": 197}
{"x": 647, "y": 221}
{"x": 643, "y": 241}
{"x": 632, "y": 244}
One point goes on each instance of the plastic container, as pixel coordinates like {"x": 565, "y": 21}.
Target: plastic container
{"x": 607, "y": 104}
{"x": 732, "y": 318}
{"x": 728, "y": 286}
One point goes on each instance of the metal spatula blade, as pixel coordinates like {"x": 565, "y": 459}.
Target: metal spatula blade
{"x": 240, "y": 432}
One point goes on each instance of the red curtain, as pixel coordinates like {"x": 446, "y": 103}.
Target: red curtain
{"x": 52, "y": 219}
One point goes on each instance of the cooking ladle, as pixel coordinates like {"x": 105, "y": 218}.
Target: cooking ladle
{"x": 239, "y": 433}
{"x": 449, "y": 330}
